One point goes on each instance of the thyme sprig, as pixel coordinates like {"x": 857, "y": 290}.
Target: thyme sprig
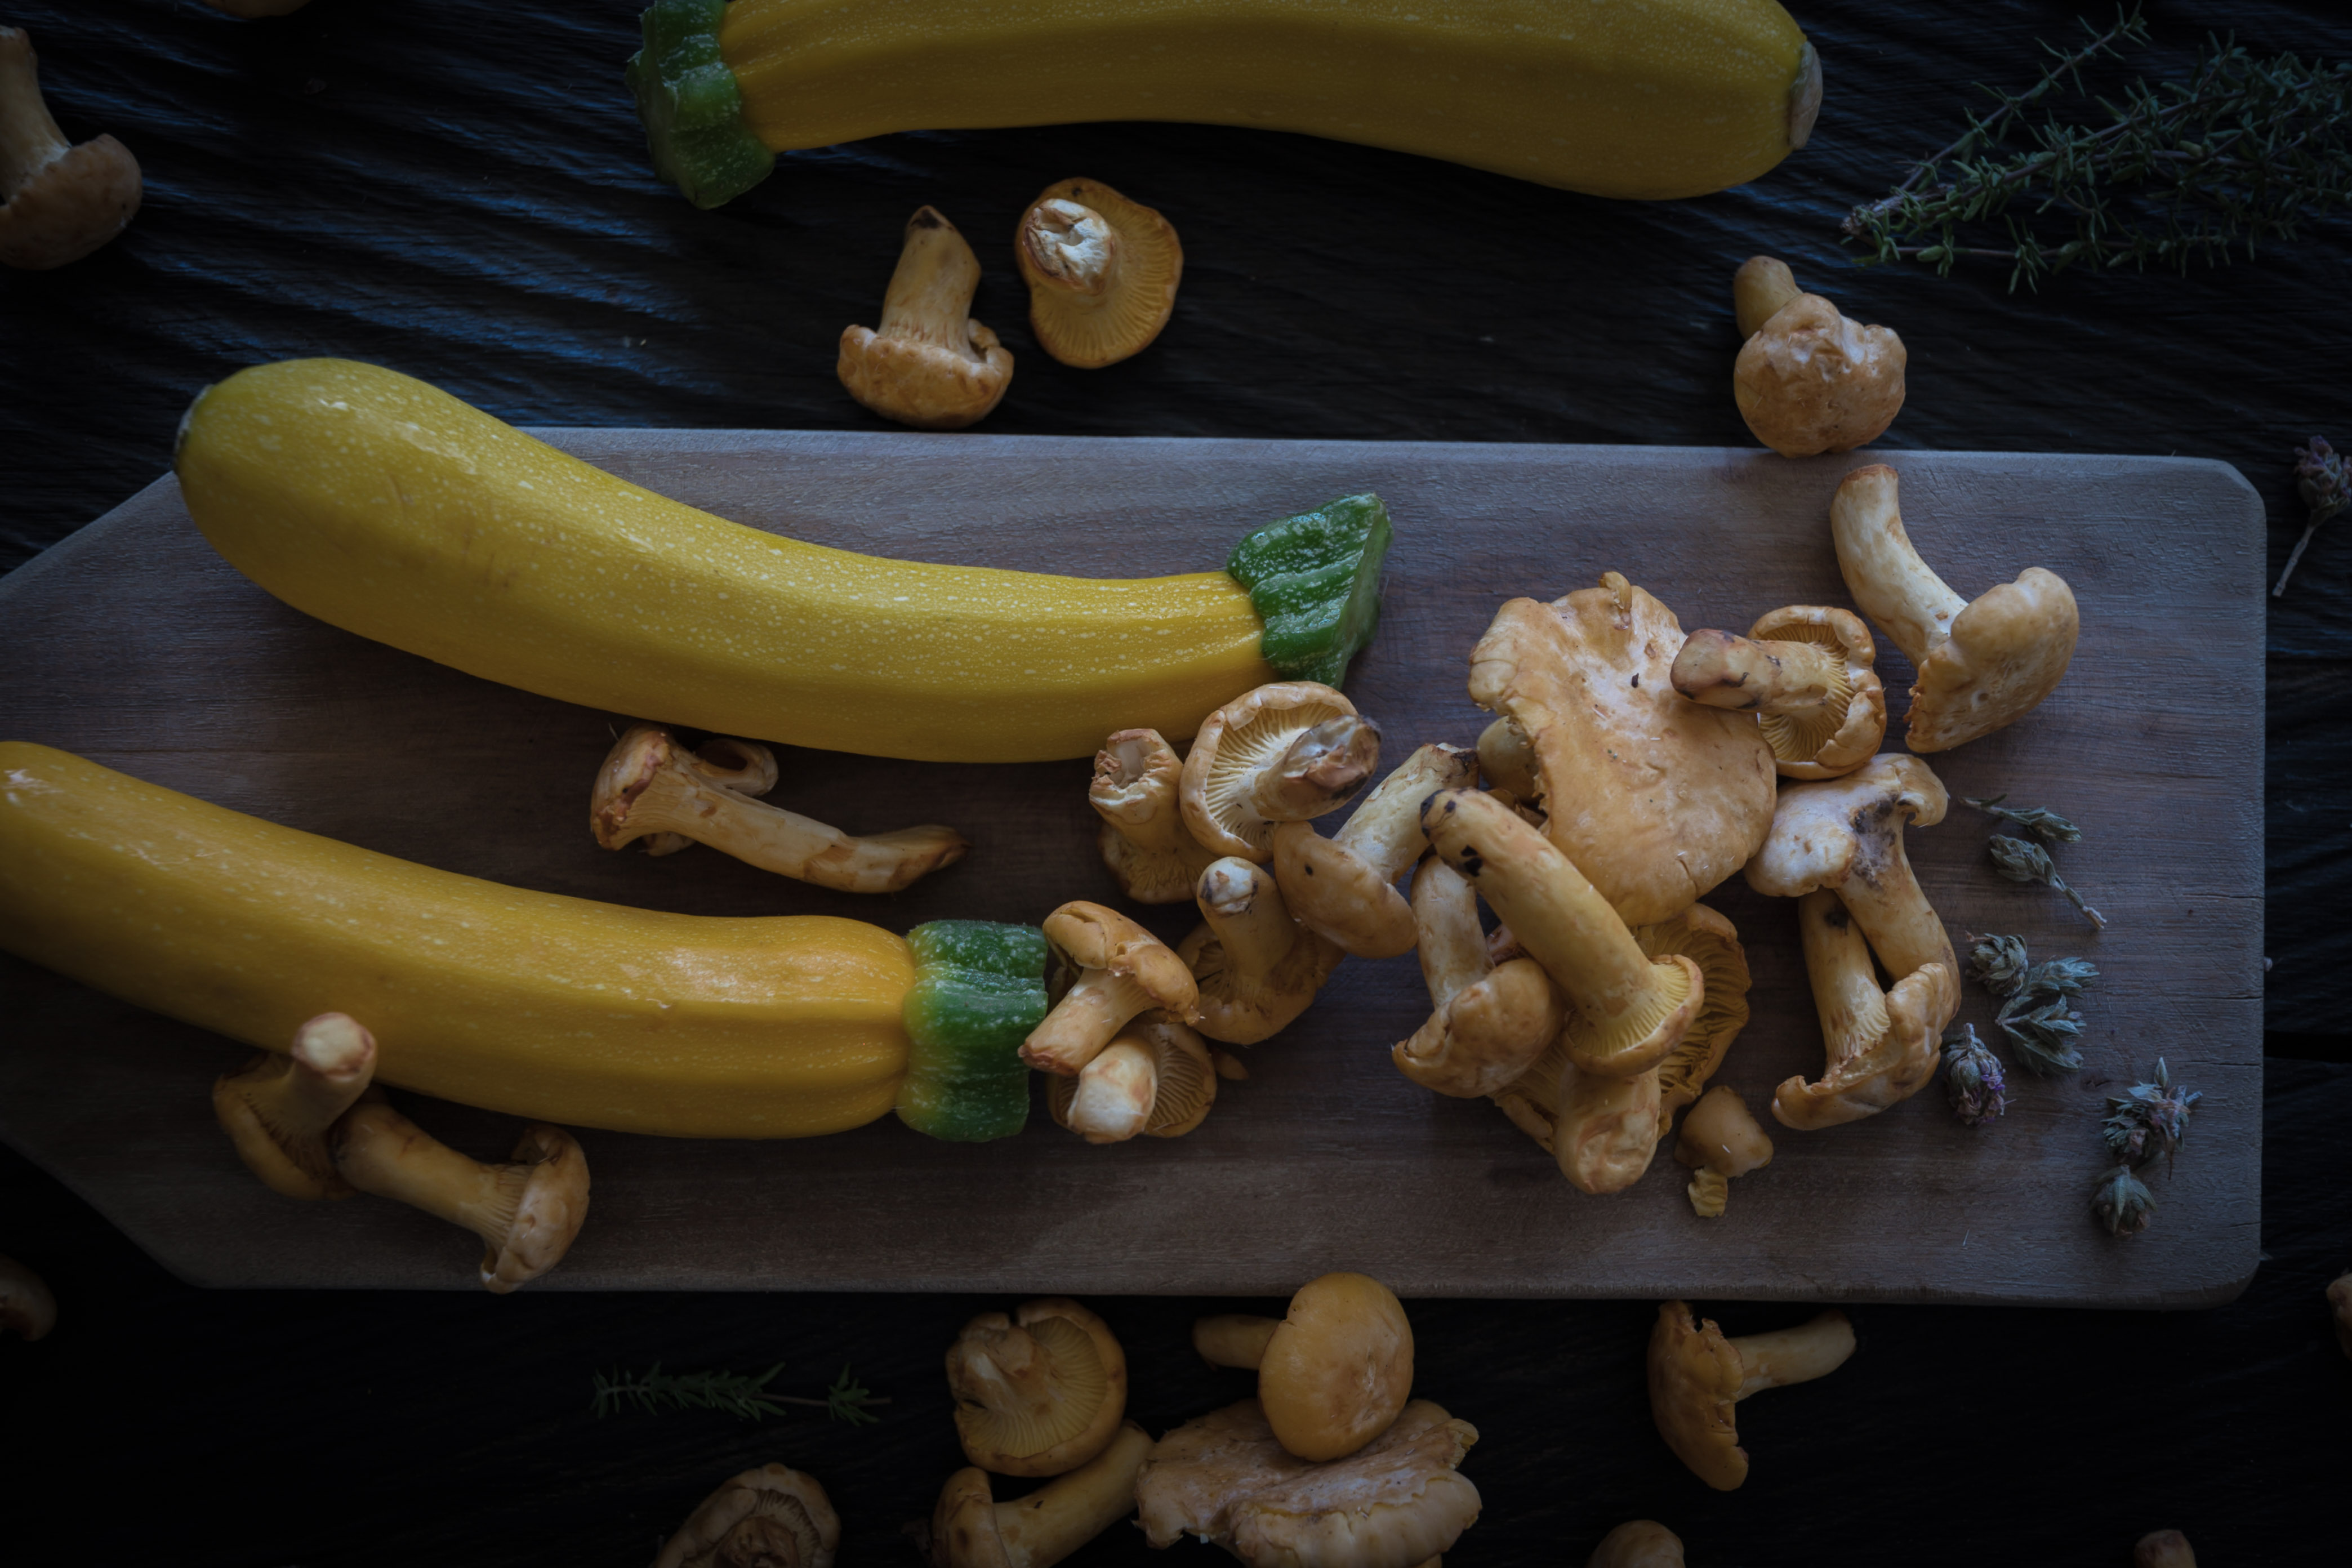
{"x": 2320, "y": 478}
{"x": 2022, "y": 862}
{"x": 742, "y": 1395}
{"x": 2179, "y": 173}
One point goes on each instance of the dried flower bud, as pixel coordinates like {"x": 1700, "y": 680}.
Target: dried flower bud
{"x": 2122, "y": 1202}
{"x": 1997, "y": 963}
{"x": 2039, "y": 820}
{"x": 2060, "y": 977}
{"x": 2022, "y": 862}
{"x": 2149, "y": 1118}
{"x": 2043, "y": 1036}
{"x": 1972, "y": 1076}
{"x": 2319, "y": 476}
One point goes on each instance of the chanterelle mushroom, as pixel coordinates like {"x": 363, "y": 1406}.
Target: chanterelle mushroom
{"x": 1332, "y": 1373}
{"x": 1122, "y": 970}
{"x": 1809, "y": 380}
{"x": 772, "y": 1517}
{"x": 1489, "y": 1021}
{"x": 278, "y": 1109}
{"x": 1284, "y": 751}
{"x": 1696, "y": 1376}
{"x": 1039, "y": 1392}
{"x": 1883, "y": 1046}
{"x": 1638, "y": 1543}
{"x": 1398, "y": 1501}
{"x": 1143, "y": 837}
{"x": 969, "y": 1529}
{"x": 1656, "y": 798}
{"x": 650, "y": 784}
{"x": 929, "y": 364}
{"x": 1344, "y": 887}
{"x": 27, "y": 1309}
{"x": 1256, "y": 968}
{"x": 1981, "y": 663}
{"x": 58, "y": 202}
{"x": 1102, "y": 272}
{"x": 1806, "y": 672}
{"x": 1156, "y": 1079}
{"x": 1719, "y": 1140}
{"x": 2163, "y": 1549}
{"x": 525, "y": 1211}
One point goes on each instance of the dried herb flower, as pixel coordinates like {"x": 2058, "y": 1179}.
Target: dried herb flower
{"x": 2149, "y": 1118}
{"x": 2122, "y": 1202}
{"x": 2319, "y": 476}
{"x": 1997, "y": 963}
{"x": 1972, "y": 1076}
{"x": 742, "y": 1395}
{"x": 2022, "y": 862}
{"x": 2039, "y": 820}
{"x": 2044, "y": 1036}
{"x": 2060, "y": 977}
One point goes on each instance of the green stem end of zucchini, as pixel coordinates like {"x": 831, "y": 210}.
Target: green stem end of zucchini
{"x": 692, "y": 106}
{"x": 1315, "y": 580}
{"x": 980, "y": 988}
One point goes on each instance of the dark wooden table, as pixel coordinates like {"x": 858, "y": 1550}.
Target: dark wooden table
{"x": 459, "y": 190}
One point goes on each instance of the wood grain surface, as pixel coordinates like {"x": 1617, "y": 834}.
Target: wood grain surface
{"x": 134, "y": 645}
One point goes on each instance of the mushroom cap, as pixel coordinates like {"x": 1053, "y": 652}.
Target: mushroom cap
{"x": 1606, "y": 1130}
{"x": 1396, "y": 1502}
{"x": 1811, "y": 380}
{"x": 1143, "y": 838}
{"x": 1695, "y": 1380}
{"x": 1338, "y": 1368}
{"x": 1638, "y": 1543}
{"x": 27, "y": 1309}
{"x": 1720, "y": 1135}
{"x": 772, "y": 1517}
{"x": 548, "y": 1215}
{"x": 2007, "y": 651}
{"x": 1654, "y": 798}
{"x": 1240, "y": 1014}
{"x": 1820, "y": 832}
{"x": 929, "y": 387}
{"x": 1039, "y": 1392}
{"x": 1488, "y": 1034}
{"x": 964, "y": 1524}
{"x": 1088, "y": 936}
{"x": 1183, "y": 1084}
{"x": 636, "y": 759}
{"x": 1248, "y": 734}
{"x": 71, "y": 207}
{"x": 1896, "y": 1055}
{"x": 2163, "y": 1549}
{"x": 1088, "y": 327}
{"x": 1828, "y": 744}
{"x": 1711, "y": 942}
{"x": 1332, "y": 893}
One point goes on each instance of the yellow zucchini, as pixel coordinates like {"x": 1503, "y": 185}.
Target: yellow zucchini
{"x": 551, "y": 1007}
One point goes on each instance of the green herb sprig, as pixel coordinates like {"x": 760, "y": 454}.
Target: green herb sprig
{"x": 2037, "y": 1011}
{"x": 2175, "y": 173}
{"x": 742, "y": 1395}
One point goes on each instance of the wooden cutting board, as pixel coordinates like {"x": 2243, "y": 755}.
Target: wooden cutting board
{"x": 134, "y": 644}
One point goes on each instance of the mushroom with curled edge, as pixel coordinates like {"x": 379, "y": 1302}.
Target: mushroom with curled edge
{"x": 1284, "y": 751}
{"x": 1489, "y": 1022}
{"x": 278, "y": 1110}
{"x": 969, "y": 1529}
{"x": 1696, "y": 1376}
{"x": 2163, "y": 1549}
{"x": 1638, "y": 1543}
{"x": 1719, "y": 1140}
{"x": 1806, "y": 671}
{"x": 28, "y": 1307}
{"x": 525, "y": 1211}
{"x": 1143, "y": 838}
{"x": 1156, "y": 1079}
{"x": 1122, "y": 970}
{"x": 59, "y": 200}
{"x": 1626, "y": 1011}
{"x": 1884, "y": 1046}
{"x": 1102, "y": 272}
{"x": 1255, "y": 968}
{"x": 772, "y": 1517}
{"x": 1656, "y": 798}
{"x": 929, "y": 364}
{"x": 651, "y": 785}
{"x": 1705, "y": 937}
{"x": 1039, "y": 1392}
{"x": 1332, "y": 1373}
{"x": 1344, "y": 887}
{"x": 1981, "y": 663}
{"x": 1398, "y": 1501}
{"x": 1810, "y": 379}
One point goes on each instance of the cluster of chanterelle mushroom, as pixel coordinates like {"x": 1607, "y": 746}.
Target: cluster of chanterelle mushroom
{"x": 312, "y": 1125}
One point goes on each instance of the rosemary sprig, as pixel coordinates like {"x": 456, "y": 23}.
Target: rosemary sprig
{"x": 2319, "y": 476}
{"x": 2179, "y": 173}
{"x": 2022, "y": 862}
{"x": 2038, "y": 820}
{"x": 742, "y": 1395}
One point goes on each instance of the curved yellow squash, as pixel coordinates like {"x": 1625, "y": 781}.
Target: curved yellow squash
{"x": 1645, "y": 99}
{"x": 386, "y": 507}
{"x": 551, "y": 1007}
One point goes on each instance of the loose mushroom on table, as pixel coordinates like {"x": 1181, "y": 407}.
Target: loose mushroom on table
{"x": 1102, "y": 272}
{"x": 929, "y": 364}
{"x": 59, "y": 200}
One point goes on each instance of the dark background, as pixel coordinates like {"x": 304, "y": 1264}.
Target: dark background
{"x": 458, "y": 189}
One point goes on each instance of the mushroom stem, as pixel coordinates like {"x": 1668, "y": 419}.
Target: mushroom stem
{"x": 525, "y": 1211}
{"x": 1115, "y": 1092}
{"x": 1487, "y": 1023}
{"x": 1134, "y": 791}
{"x": 27, "y": 1309}
{"x": 1507, "y": 759}
{"x": 1454, "y": 951}
{"x": 29, "y": 138}
{"x": 651, "y": 784}
{"x": 1723, "y": 670}
{"x": 968, "y": 1530}
{"x": 1319, "y": 771}
{"x": 929, "y": 364}
{"x": 1761, "y": 286}
{"x": 1087, "y": 1018}
{"x": 1893, "y": 587}
{"x": 1633, "y": 1010}
{"x": 1894, "y": 913}
{"x": 929, "y": 297}
{"x": 278, "y": 1111}
{"x": 1813, "y": 1349}
{"x": 1385, "y": 832}
{"x": 57, "y": 201}
{"x": 1234, "y": 1339}
{"x": 1070, "y": 247}
{"x": 1244, "y": 905}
